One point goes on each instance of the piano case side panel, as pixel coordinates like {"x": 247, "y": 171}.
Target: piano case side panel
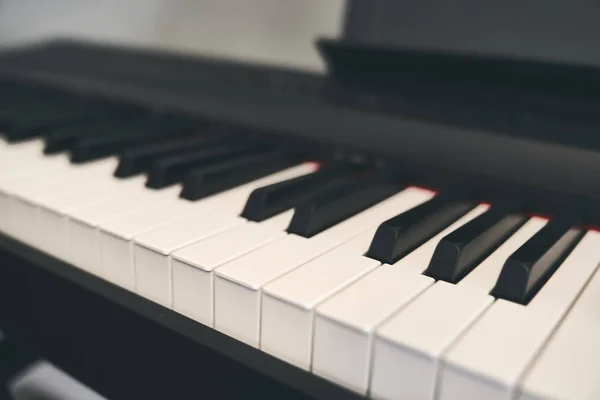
{"x": 101, "y": 335}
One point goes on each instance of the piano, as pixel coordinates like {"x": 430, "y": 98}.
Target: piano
{"x": 413, "y": 224}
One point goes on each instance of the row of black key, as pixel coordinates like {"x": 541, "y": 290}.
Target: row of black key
{"x": 171, "y": 150}
{"x": 458, "y": 253}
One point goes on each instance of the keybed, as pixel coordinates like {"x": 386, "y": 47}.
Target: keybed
{"x": 344, "y": 270}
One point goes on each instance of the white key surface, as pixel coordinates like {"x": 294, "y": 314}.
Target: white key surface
{"x": 33, "y": 170}
{"x": 98, "y": 213}
{"x": 193, "y": 265}
{"x": 416, "y": 337}
{"x": 93, "y": 193}
{"x": 489, "y": 359}
{"x": 384, "y": 331}
{"x": 240, "y": 281}
{"x": 166, "y": 229}
{"x": 567, "y": 368}
{"x": 291, "y": 299}
{"x": 53, "y": 211}
{"x": 344, "y": 324}
{"x": 17, "y": 151}
{"x": 56, "y": 181}
{"x": 84, "y": 235}
{"x": 152, "y": 260}
{"x": 25, "y": 208}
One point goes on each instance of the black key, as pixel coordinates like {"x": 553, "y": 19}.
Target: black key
{"x": 98, "y": 146}
{"x": 138, "y": 159}
{"x": 460, "y": 251}
{"x": 398, "y": 236}
{"x": 11, "y": 109}
{"x": 28, "y": 99}
{"x": 271, "y": 200}
{"x": 26, "y": 126}
{"x": 205, "y": 181}
{"x": 529, "y": 268}
{"x": 333, "y": 206}
{"x": 22, "y": 110}
{"x": 168, "y": 170}
{"x": 61, "y": 139}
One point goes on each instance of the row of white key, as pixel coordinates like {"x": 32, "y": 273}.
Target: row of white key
{"x": 415, "y": 338}
{"x": 344, "y": 324}
{"x": 153, "y": 248}
{"x": 238, "y": 285}
{"x": 566, "y": 368}
{"x": 370, "y": 335}
{"x": 72, "y": 229}
{"x": 103, "y": 233}
{"x": 489, "y": 360}
{"x": 494, "y": 342}
{"x": 409, "y": 347}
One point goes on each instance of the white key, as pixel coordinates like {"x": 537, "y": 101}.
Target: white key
{"x": 21, "y": 178}
{"x": 3, "y": 146}
{"x": 29, "y": 170}
{"x": 48, "y": 182}
{"x": 22, "y": 205}
{"x": 238, "y": 283}
{"x": 19, "y": 152}
{"x": 45, "y": 171}
{"x": 34, "y": 167}
{"x": 489, "y": 359}
{"x": 288, "y": 303}
{"x": 193, "y": 265}
{"x": 116, "y": 236}
{"x": 152, "y": 252}
{"x": 53, "y": 211}
{"x": 84, "y": 235}
{"x": 41, "y": 171}
{"x": 345, "y": 323}
{"x": 34, "y": 170}
{"x": 33, "y": 145}
{"x": 161, "y": 223}
{"x": 409, "y": 346}
{"x": 567, "y": 368}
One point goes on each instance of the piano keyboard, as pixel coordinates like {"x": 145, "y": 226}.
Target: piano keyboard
{"x": 357, "y": 274}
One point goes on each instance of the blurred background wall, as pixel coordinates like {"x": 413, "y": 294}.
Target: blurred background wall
{"x": 279, "y": 32}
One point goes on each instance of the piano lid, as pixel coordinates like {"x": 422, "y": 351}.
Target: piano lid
{"x": 532, "y": 122}
{"x": 553, "y": 31}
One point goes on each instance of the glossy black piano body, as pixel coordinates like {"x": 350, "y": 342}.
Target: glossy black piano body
{"x": 526, "y": 127}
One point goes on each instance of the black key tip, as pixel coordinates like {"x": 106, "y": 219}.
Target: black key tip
{"x": 528, "y": 269}
{"x": 383, "y": 243}
{"x": 126, "y": 169}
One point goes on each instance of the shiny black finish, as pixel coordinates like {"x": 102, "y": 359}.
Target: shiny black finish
{"x": 28, "y": 125}
{"x": 270, "y": 200}
{"x": 528, "y": 268}
{"x": 499, "y": 146}
{"x": 332, "y": 206}
{"x": 138, "y": 159}
{"x": 227, "y": 174}
{"x": 462, "y": 250}
{"x": 89, "y": 148}
{"x": 172, "y": 168}
{"x": 64, "y": 137}
{"x": 400, "y": 235}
